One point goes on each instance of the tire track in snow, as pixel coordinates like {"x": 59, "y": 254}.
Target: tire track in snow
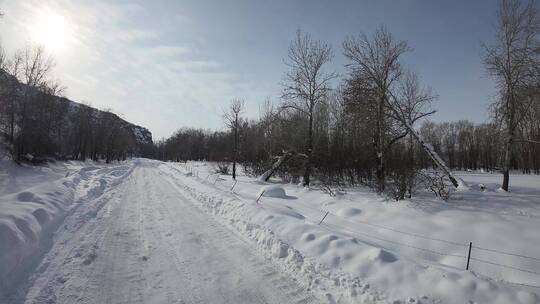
{"x": 272, "y": 286}
{"x": 151, "y": 245}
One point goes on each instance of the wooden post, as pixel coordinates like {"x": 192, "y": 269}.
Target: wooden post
{"x": 324, "y": 217}
{"x": 260, "y": 196}
{"x": 469, "y": 256}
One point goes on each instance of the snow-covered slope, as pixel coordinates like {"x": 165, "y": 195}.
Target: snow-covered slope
{"x": 141, "y": 136}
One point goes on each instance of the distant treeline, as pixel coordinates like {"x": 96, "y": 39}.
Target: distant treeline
{"x": 36, "y": 123}
{"x": 463, "y": 145}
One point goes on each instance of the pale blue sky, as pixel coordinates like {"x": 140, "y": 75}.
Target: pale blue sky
{"x": 167, "y": 64}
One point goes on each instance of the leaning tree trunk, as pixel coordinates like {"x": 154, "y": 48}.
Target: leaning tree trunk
{"x": 266, "y": 175}
{"x": 435, "y": 157}
{"x": 429, "y": 150}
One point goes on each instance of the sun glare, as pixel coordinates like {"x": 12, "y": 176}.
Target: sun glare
{"x": 51, "y": 30}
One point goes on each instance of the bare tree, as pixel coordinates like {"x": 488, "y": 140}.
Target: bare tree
{"x": 375, "y": 69}
{"x": 3, "y": 59}
{"x": 232, "y": 120}
{"x": 376, "y": 74}
{"x": 512, "y": 62}
{"x": 307, "y": 84}
{"x": 9, "y": 92}
{"x": 33, "y": 67}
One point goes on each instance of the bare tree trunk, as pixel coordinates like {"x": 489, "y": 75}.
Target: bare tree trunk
{"x": 309, "y": 148}
{"x": 12, "y": 125}
{"x": 380, "y": 148}
{"x": 380, "y": 172}
{"x": 507, "y": 160}
{"x": 235, "y": 152}
{"x": 412, "y": 167}
{"x": 510, "y": 105}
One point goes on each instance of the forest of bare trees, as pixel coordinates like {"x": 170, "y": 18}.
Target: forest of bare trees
{"x": 371, "y": 126}
{"x": 37, "y": 123}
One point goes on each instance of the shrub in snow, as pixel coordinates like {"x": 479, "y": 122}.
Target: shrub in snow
{"x": 397, "y": 187}
{"x": 437, "y": 182}
{"x": 273, "y": 191}
{"x": 255, "y": 168}
{"x": 222, "y": 168}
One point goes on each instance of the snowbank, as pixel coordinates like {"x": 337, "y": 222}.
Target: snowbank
{"x": 25, "y": 217}
{"x": 373, "y": 251}
{"x": 29, "y": 216}
{"x": 273, "y": 191}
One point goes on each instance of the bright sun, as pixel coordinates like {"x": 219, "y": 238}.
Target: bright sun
{"x": 51, "y": 30}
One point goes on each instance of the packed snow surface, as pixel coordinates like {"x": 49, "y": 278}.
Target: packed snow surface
{"x": 144, "y": 231}
{"x": 138, "y": 239}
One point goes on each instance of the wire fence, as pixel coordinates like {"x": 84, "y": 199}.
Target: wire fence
{"x": 432, "y": 251}
{"x": 326, "y": 217}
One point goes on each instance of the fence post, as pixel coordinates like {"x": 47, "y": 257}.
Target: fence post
{"x": 469, "y": 256}
{"x": 260, "y": 196}
{"x": 324, "y": 217}
{"x": 234, "y": 185}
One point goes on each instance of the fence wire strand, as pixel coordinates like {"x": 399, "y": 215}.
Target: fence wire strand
{"x": 358, "y": 233}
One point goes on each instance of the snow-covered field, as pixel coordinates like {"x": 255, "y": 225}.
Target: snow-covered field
{"x": 375, "y": 250}
{"x": 144, "y": 231}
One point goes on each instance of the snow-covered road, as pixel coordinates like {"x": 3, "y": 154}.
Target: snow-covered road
{"x": 144, "y": 231}
{"x": 144, "y": 242}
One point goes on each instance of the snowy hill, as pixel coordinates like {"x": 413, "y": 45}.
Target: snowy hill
{"x": 44, "y": 124}
{"x": 141, "y": 135}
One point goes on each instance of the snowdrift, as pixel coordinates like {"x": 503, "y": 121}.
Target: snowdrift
{"x": 273, "y": 191}
{"x": 29, "y": 216}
